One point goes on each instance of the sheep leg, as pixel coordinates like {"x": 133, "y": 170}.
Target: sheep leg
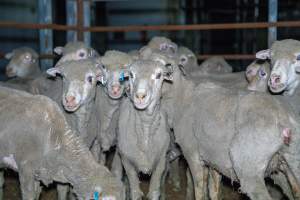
{"x": 280, "y": 180}
{"x": 30, "y": 188}
{"x": 163, "y": 180}
{"x": 174, "y": 175}
{"x": 292, "y": 181}
{"x": 214, "y": 184}
{"x": 135, "y": 191}
{"x": 62, "y": 191}
{"x": 156, "y": 179}
{"x": 1, "y": 184}
{"x": 189, "y": 185}
{"x": 199, "y": 173}
{"x": 96, "y": 150}
{"x": 116, "y": 166}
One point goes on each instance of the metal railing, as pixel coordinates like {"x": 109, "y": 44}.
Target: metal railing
{"x": 226, "y": 26}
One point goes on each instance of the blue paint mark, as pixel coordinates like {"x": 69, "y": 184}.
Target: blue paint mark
{"x": 96, "y": 195}
{"x": 122, "y": 76}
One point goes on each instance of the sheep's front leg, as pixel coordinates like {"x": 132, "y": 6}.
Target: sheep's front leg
{"x": 134, "y": 182}
{"x": 30, "y": 188}
{"x": 97, "y": 152}
{"x": 1, "y": 184}
{"x": 62, "y": 191}
{"x": 156, "y": 180}
{"x": 116, "y": 166}
{"x": 174, "y": 175}
{"x": 214, "y": 184}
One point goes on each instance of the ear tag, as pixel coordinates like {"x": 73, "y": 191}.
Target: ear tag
{"x": 122, "y": 76}
{"x": 96, "y": 196}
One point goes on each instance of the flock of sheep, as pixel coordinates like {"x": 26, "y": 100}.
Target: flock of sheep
{"x": 150, "y": 105}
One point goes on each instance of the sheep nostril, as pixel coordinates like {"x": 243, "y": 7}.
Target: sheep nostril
{"x": 140, "y": 96}
{"x": 70, "y": 99}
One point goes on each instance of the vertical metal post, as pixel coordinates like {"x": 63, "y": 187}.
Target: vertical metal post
{"x": 46, "y": 35}
{"x": 273, "y": 14}
{"x": 71, "y": 19}
{"x": 78, "y": 14}
{"x": 80, "y": 20}
{"x": 87, "y": 21}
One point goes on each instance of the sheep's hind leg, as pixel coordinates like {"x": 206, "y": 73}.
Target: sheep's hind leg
{"x": 1, "y": 184}
{"x": 214, "y": 184}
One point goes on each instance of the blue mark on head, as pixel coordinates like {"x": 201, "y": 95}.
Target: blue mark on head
{"x": 96, "y": 196}
{"x": 122, "y": 77}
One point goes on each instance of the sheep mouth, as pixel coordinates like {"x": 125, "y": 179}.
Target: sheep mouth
{"x": 115, "y": 95}
{"x": 277, "y": 88}
{"x": 71, "y": 108}
{"x": 10, "y": 74}
{"x": 141, "y": 105}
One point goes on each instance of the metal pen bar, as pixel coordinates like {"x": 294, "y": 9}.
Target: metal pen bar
{"x": 272, "y": 17}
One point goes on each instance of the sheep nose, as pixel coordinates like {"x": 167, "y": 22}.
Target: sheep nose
{"x": 140, "y": 95}
{"x": 115, "y": 88}
{"x": 8, "y": 70}
{"x": 70, "y": 99}
{"x": 275, "y": 78}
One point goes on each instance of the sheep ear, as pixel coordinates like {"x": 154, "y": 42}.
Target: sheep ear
{"x": 92, "y": 53}
{"x": 297, "y": 69}
{"x": 53, "y": 71}
{"x": 101, "y": 74}
{"x": 59, "y": 50}
{"x": 168, "y": 73}
{"x": 9, "y": 55}
{"x": 263, "y": 54}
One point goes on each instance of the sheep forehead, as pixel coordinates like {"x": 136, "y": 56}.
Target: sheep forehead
{"x": 115, "y": 59}
{"x": 162, "y": 55}
{"x": 79, "y": 69}
{"x": 21, "y": 51}
{"x": 146, "y": 68}
{"x": 74, "y": 46}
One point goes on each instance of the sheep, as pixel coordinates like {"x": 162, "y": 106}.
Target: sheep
{"x": 257, "y": 75}
{"x": 215, "y": 65}
{"x": 203, "y": 113}
{"x": 116, "y": 65}
{"x": 79, "y": 100}
{"x": 46, "y": 85}
{"x": 37, "y": 142}
{"x": 285, "y": 65}
{"x": 24, "y": 63}
{"x": 188, "y": 60}
{"x": 75, "y": 51}
{"x": 141, "y": 126}
{"x": 22, "y": 68}
{"x": 214, "y": 177}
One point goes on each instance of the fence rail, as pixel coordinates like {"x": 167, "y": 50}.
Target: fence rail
{"x": 200, "y": 57}
{"x": 224, "y": 26}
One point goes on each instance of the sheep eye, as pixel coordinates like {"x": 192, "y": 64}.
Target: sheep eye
{"x": 158, "y": 75}
{"x": 90, "y": 79}
{"x": 172, "y": 49}
{"x": 81, "y": 54}
{"x": 262, "y": 73}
